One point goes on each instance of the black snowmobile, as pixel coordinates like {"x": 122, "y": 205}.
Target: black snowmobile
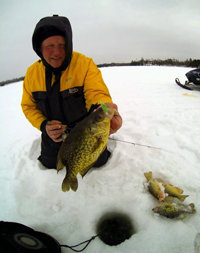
{"x": 193, "y": 82}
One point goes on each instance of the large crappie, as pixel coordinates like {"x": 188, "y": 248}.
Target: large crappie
{"x": 83, "y": 146}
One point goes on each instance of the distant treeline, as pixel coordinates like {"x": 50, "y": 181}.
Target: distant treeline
{"x": 156, "y": 62}
{"x": 14, "y": 80}
{"x": 143, "y": 62}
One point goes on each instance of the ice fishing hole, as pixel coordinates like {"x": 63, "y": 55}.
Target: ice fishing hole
{"x": 115, "y": 228}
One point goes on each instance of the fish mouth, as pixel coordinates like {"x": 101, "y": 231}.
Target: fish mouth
{"x": 155, "y": 209}
{"x": 110, "y": 113}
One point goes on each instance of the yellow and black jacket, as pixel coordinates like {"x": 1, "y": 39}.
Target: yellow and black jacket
{"x": 69, "y": 100}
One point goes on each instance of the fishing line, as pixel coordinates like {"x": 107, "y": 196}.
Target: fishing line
{"x": 87, "y": 241}
{"x": 135, "y": 143}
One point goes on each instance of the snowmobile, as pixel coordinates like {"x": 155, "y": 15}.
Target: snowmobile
{"x": 193, "y": 82}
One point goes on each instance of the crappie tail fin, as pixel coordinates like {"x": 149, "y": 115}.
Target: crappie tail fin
{"x": 70, "y": 183}
{"x": 182, "y": 197}
{"x": 148, "y": 175}
{"x": 192, "y": 208}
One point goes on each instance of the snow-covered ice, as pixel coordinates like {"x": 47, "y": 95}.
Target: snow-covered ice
{"x": 156, "y": 112}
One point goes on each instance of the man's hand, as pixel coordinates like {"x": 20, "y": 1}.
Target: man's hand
{"x": 55, "y": 129}
{"x": 116, "y": 121}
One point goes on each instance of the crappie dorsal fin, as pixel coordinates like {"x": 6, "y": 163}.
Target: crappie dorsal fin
{"x": 68, "y": 183}
{"x": 148, "y": 175}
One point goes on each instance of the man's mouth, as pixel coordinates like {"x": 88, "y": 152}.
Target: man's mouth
{"x": 56, "y": 58}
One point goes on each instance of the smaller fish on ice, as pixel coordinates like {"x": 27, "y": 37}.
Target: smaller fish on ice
{"x": 161, "y": 190}
{"x": 174, "y": 211}
{"x": 174, "y": 192}
{"x": 154, "y": 187}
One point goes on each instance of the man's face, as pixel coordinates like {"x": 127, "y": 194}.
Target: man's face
{"x": 53, "y": 50}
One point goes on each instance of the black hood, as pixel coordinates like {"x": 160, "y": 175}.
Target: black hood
{"x": 60, "y": 23}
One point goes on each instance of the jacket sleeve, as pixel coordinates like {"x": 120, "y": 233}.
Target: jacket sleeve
{"x": 95, "y": 89}
{"x": 29, "y": 106}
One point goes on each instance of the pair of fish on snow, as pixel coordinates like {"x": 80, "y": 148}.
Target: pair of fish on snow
{"x": 163, "y": 191}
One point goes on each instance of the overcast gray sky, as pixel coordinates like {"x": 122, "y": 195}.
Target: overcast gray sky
{"x": 105, "y": 30}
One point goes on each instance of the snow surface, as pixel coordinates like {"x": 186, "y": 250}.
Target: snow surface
{"x": 156, "y": 112}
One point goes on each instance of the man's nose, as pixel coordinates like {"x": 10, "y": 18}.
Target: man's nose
{"x": 57, "y": 50}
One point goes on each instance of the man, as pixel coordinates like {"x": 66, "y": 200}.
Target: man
{"x": 62, "y": 88}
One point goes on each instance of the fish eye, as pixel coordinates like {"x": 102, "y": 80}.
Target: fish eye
{"x": 99, "y": 117}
